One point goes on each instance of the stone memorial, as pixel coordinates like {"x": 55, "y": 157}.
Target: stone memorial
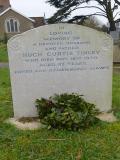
{"x": 60, "y": 58}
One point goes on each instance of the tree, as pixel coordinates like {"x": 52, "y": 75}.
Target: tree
{"x": 93, "y": 22}
{"x": 65, "y": 7}
{"x": 116, "y": 1}
{"x": 118, "y": 4}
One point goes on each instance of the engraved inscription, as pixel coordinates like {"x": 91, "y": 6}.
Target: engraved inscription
{"x": 61, "y": 51}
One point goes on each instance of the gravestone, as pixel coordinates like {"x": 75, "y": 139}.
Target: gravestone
{"x": 60, "y": 58}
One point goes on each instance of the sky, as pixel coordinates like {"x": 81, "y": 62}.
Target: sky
{"x": 32, "y": 8}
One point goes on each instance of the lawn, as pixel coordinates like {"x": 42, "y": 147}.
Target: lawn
{"x": 101, "y": 142}
{"x": 116, "y": 94}
{"x": 3, "y": 53}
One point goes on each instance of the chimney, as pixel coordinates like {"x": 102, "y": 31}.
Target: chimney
{"x": 4, "y": 4}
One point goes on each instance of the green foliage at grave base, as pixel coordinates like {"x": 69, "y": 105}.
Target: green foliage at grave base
{"x": 66, "y": 111}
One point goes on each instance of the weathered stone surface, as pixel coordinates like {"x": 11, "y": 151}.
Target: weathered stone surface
{"x": 60, "y": 58}
{"x": 107, "y": 117}
{"x": 25, "y": 126}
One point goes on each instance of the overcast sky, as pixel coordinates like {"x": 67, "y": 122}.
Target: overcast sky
{"x": 33, "y": 8}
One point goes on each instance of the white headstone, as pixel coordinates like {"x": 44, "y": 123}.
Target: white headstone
{"x": 60, "y": 58}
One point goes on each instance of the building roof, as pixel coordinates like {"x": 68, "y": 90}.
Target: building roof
{"x": 39, "y": 21}
{"x": 10, "y": 8}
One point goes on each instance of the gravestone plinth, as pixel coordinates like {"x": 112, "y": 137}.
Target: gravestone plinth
{"x": 60, "y": 58}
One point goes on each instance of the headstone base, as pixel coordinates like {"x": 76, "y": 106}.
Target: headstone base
{"x": 107, "y": 117}
{"x": 33, "y": 125}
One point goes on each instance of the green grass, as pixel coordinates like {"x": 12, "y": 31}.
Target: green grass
{"x": 116, "y": 94}
{"x": 3, "y": 53}
{"x": 5, "y": 95}
{"x": 101, "y": 142}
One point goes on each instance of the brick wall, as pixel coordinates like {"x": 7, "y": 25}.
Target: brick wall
{"x": 4, "y": 4}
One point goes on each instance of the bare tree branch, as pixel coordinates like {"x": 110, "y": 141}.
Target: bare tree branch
{"x": 115, "y": 7}
{"x": 118, "y": 2}
{"x": 97, "y": 14}
{"x": 91, "y": 7}
{"x": 118, "y": 20}
{"x": 116, "y": 14}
